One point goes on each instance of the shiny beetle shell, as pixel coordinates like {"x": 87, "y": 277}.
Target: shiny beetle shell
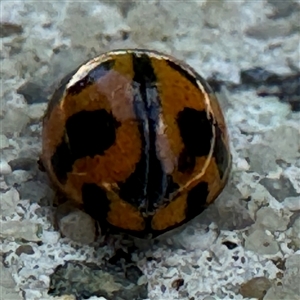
{"x": 138, "y": 140}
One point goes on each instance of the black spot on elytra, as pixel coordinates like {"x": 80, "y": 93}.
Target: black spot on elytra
{"x": 62, "y": 162}
{"x": 192, "y": 77}
{"x": 196, "y": 133}
{"x": 94, "y": 75}
{"x": 196, "y": 200}
{"x": 147, "y": 185}
{"x": 91, "y": 132}
{"x": 221, "y": 154}
{"x": 186, "y": 161}
{"x": 95, "y": 202}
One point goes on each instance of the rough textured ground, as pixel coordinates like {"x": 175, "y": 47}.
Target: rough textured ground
{"x": 247, "y": 244}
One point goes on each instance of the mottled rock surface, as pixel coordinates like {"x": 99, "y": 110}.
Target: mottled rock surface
{"x": 250, "y": 237}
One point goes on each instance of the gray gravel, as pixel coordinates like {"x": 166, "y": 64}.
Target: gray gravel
{"x": 245, "y": 245}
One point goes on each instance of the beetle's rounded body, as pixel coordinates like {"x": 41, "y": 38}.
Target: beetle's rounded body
{"x": 138, "y": 140}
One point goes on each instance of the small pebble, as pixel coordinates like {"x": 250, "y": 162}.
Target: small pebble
{"x": 255, "y": 288}
{"x": 261, "y": 243}
{"x": 17, "y": 177}
{"x": 5, "y": 168}
{"x": 292, "y": 203}
{"x": 9, "y": 200}
{"x": 78, "y": 226}
{"x": 4, "y": 142}
{"x": 36, "y": 111}
{"x": 27, "y": 249}
{"x": 50, "y": 237}
{"x": 176, "y": 284}
{"x": 171, "y": 273}
{"x": 295, "y": 233}
{"x": 25, "y": 230}
{"x": 242, "y": 164}
{"x": 267, "y": 218}
{"x": 142, "y": 280}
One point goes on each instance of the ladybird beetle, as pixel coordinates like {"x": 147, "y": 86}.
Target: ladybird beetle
{"x": 137, "y": 139}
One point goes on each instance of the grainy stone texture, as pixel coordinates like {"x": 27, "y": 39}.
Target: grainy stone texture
{"x": 255, "y": 288}
{"x": 249, "y": 51}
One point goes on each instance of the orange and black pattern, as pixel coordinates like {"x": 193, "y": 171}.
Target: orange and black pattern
{"x": 138, "y": 140}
